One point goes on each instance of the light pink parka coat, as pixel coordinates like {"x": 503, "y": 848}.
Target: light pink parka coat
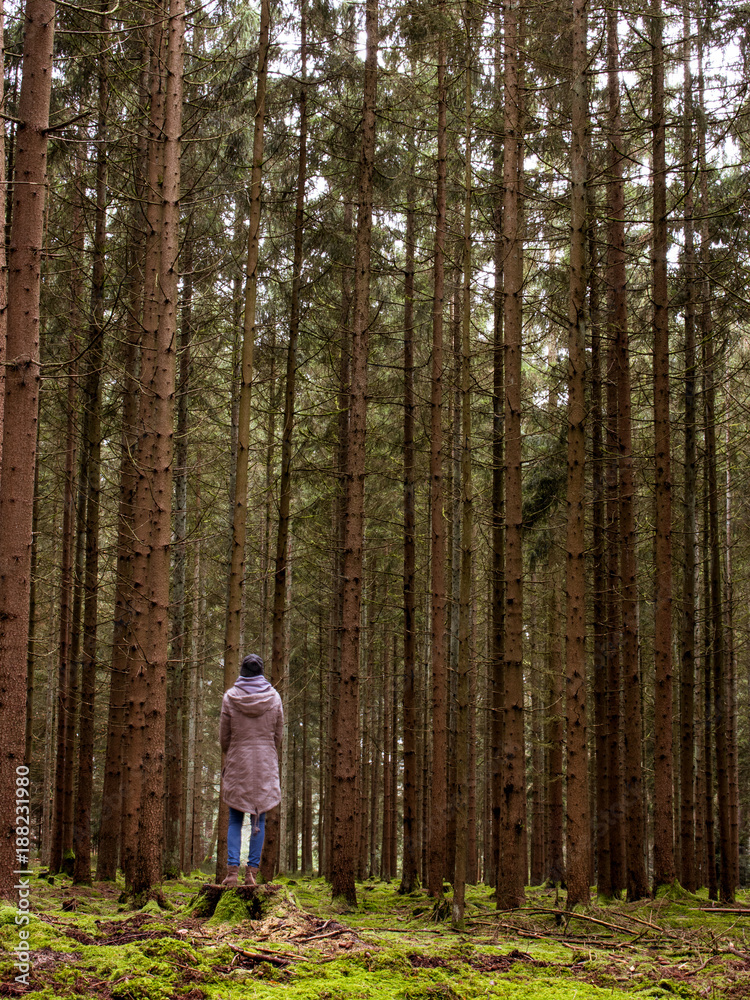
{"x": 250, "y": 733}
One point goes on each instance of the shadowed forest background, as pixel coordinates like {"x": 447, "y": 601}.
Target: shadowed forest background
{"x": 406, "y": 346}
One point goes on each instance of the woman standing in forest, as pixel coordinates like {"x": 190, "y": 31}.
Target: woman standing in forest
{"x": 252, "y": 722}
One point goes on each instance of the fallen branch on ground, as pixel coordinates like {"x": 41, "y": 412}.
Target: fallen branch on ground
{"x": 328, "y": 934}
{"x": 272, "y": 957}
{"x": 573, "y": 915}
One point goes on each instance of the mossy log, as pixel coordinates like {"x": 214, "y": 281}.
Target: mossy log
{"x": 231, "y": 905}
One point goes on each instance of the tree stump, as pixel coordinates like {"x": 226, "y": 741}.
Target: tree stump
{"x": 232, "y": 904}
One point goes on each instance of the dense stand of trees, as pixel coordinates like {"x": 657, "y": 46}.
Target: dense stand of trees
{"x": 406, "y": 346}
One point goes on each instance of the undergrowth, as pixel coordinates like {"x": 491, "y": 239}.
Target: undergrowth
{"x": 295, "y": 942}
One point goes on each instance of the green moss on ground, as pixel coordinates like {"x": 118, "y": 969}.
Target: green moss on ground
{"x": 388, "y": 947}
{"x": 230, "y": 909}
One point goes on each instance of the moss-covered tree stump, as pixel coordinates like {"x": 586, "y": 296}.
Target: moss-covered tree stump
{"x": 232, "y": 905}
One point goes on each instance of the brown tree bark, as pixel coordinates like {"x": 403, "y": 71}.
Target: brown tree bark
{"x": 111, "y": 821}
{"x": 33, "y": 640}
{"x": 497, "y": 651}
{"x": 376, "y": 719}
{"x": 111, "y": 814}
{"x": 709, "y": 790}
{"x": 64, "y": 669}
{"x": 687, "y": 660}
{"x": 715, "y": 619}
{"x": 513, "y": 867}
{"x": 233, "y": 621}
{"x": 453, "y": 490}
{"x": 538, "y": 801}
{"x": 454, "y": 557}
{"x": 270, "y": 852}
{"x": 195, "y": 847}
{"x": 731, "y": 661}
{"x": 438, "y": 787}
{"x": 396, "y": 740}
{"x": 472, "y": 787}
{"x": 467, "y": 523}
{"x": 538, "y": 775}
{"x": 329, "y": 705}
{"x": 3, "y": 255}
{"x": 577, "y": 862}
{"x": 615, "y": 817}
{"x": 385, "y": 853}
{"x": 154, "y": 488}
{"x": 555, "y": 720}
{"x": 307, "y": 806}
{"x": 598, "y": 597}
{"x": 636, "y": 879}
{"x": 136, "y": 691}
{"x": 174, "y": 816}
{"x": 365, "y": 777}
{"x": 715, "y": 622}
{"x": 664, "y": 873}
{"x": 22, "y": 399}
{"x": 346, "y": 760}
{"x": 91, "y": 484}
{"x": 410, "y": 811}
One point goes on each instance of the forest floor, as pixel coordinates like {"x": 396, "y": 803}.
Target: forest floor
{"x": 291, "y": 941}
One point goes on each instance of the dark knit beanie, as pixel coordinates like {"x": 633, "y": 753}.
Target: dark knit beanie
{"x": 252, "y": 666}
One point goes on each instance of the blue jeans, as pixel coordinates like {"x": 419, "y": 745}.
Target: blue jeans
{"x": 234, "y": 839}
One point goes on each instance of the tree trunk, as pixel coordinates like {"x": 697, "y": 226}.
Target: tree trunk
{"x": 454, "y": 549}
{"x": 337, "y": 536}
{"x": 376, "y": 721}
{"x": 49, "y": 769}
{"x": 467, "y": 529}
{"x": 136, "y": 691}
{"x": 438, "y": 786}
{"x": 715, "y": 622}
{"x": 538, "y": 804}
{"x": 410, "y": 811}
{"x": 687, "y": 663}
{"x": 577, "y": 818}
{"x": 497, "y": 650}
{"x": 708, "y": 702}
{"x": 93, "y": 434}
{"x": 66, "y": 591}
{"x": 512, "y": 873}
{"x": 31, "y": 649}
{"x": 270, "y": 858}
{"x": 615, "y": 802}
{"x": 731, "y": 665}
{"x": 195, "y": 852}
{"x": 555, "y": 724}
{"x": 111, "y": 824}
{"x": 599, "y": 595}
{"x": 307, "y": 811}
{"x": 664, "y": 873}
{"x": 233, "y": 621}
{"x": 385, "y": 853}
{"x": 174, "y": 816}
{"x": 636, "y": 879}
{"x": 472, "y": 847}
{"x": 3, "y": 256}
{"x": 19, "y": 435}
{"x": 154, "y": 487}
{"x": 346, "y": 759}
{"x": 72, "y": 695}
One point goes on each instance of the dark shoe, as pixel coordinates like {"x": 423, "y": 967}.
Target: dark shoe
{"x": 250, "y": 874}
{"x": 231, "y": 880}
